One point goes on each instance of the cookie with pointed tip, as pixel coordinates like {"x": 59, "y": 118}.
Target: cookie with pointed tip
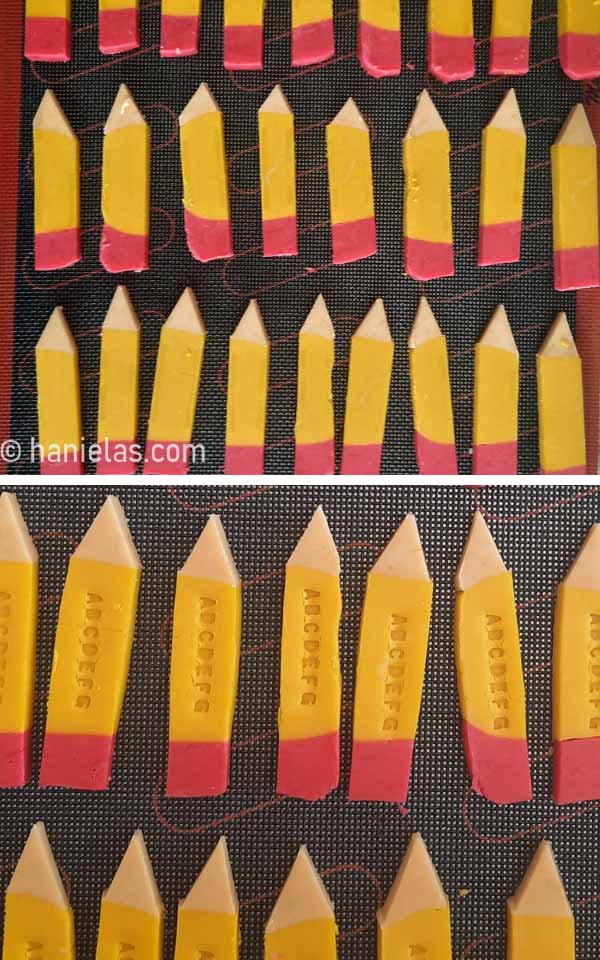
{"x": 394, "y": 635}
{"x": 540, "y": 919}
{"x": 310, "y": 681}
{"x": 37, "y": 909}
{"x": 579, "y": 39}
{"x": 379, "y": 39}
{"x": 207, "y": 920}
{"x": 205, "y": 181}
{"x": 428, "y": 239}
{"x": 575, "y": 204}
{"x": 451, "y": 45}
{"x": 490, "y": 673}
{"x": 302, "y": 922}
{"x": 118, "y": 391}
{"x": 416, "y": 910}
{"x": 247, "y": 389}
{"x": 314, "y": 433}
{"x": 496, "y": 399}
{"x": 277, "y": 148}
{"x": 367, "y": 395}
{"x": 18, "y": 620}
{"x": 92, "y": 650}
{"x": 56, "y": 187}
{"x": 313, "y": 38}
{"x": 58, "y": 399}
{"x": 131, "y": 911}
{"x": 510, "y": 37}
{"x": 503, "y": 151}
{"x": 118, "y": 25}
{"x": 561, "y": 416}
{"x": 433, "y": 417}
{"x": 351, "y": 199}
{"x": 243, "y": 38}
{"x": 179, "y": 27}
{"x": 48, "y": 30}
{"x": 206, "y": 645}
{"x": 175, "y": 391}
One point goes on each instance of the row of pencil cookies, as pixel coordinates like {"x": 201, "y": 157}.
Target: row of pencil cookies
{"x": 169, "y": 448}
{"x": 428, "y": 230}
{"x": 89, "y": 672}
{"x": 413, "y": 921}
{"x": 451, "y": 43}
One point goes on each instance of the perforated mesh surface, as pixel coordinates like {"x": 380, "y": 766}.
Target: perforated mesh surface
{"x": 477, "y": 847}
{"x": 286, "y": 289}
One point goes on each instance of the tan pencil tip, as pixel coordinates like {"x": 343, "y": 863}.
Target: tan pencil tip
{"x": 425, "y": 119}
{"x": 50, "y": 116}
{"x": 202, "y": 102}
{"x": 403, "y": 557}
{"x": 585, "y": 570}
{"x": 56, "y": 334}
{"x": 133, "y": 885}
{"x": 425, "y": 327}
{"x": 375, "y": 325}
{"x": 211, "y": 557}
{"x": 303, "y": 896}
{"x": 124, "y": 112}
{"x": 108, "y": 539}
{"x": 481, "y": 558}
{"x": 16, "y": 545}
{"x": 276, "y": 102}
{"x": 186, "y": 315}
{"x": 576, "y": 130}
{"x": 417, "y": 886}
{"x": 559, "y": 340}
{"x": 315, "y": 548}
{"x": 508, "y": 115}
{"x": 350, "y": 116}
{"x": 541, "y": 893}
{"x": 120, "y": 314}
{"x": 498, "y": 333}
{"x": 251, "y": 327}
{"x": 318, "y": 321}
{"x": 214, "y": 890}
{"x": 36, "y": 874}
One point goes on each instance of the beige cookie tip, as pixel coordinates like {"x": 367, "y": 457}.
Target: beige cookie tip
{"x": 120, "y": 314}
{"x": 303, "y": 896}
{"x": 417, "y": 886}
{"x": 186, "y": 315}
{"x": 108, "y": 539}
{"x": 318, "y": 321}
{"x": 350, "y": 116}
{"x": 541, "y": 893}
{"x": 426, "y": 118}
{"x": 276, "y": 102}
{"x": 214, "y": 890}
{"x": 251, "y": 327}
{"x": 481, "y": 558}
{"x": 375, "y": 325}
{"x": 316, "y": 548}
{"x": 56, "y": 334}
{"x": 585, "y": 571}
{"x": 559, "y": 341}
{"x": 498, "y": 333}
{"x": 425, "y": 327}
{"x": 16, "y": 545}
{"x": 36, "y": 874}
{"x": 202, "y": 102}
{"x": 211, "y": 558}
{"x": 403, "y": 557}
{"x": 508, "y": 115}
{"x": 50, "y": 116}
{"x": 124, "y": 112}
{"x": 576, "y": 130}
{"x": 133, "y": 884}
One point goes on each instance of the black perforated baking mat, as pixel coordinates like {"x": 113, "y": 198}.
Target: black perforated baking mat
{"x": 287, "y": 288}
{"x": 481, "y": 850}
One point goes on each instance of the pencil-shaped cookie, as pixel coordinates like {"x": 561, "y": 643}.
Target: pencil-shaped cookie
{"x": 353, "y": 231}
{"x": 118, "y": 392}
{"x": 56, "y": 187}
{"x": 247, "y": 390}
{"x": 175, "y": 391}
{"x": 59, "y": 405}
{"x": 576, "y": 678}
{"x": 118, "y": 25}
{"x": 489, "y": 672}
{"x": 579, "y": 38}
{"x": 315, "y": 444}
{"x": 125, "y": 187}
{"x": 302, "y": 923}
{"x": 428, "y": 243}
{"x": 575, "y": 204}
{"x": 431, "y": 395}
{"x": 503, "y": 151}
{"x": 278, "y": 176}
{"x": 18, "y": 623}
{"x": 37, "y": 911}
{"x": 207, "y": 920}
{"x": 313, "y": 38}
{"x": 243, "y": 34}
{"x": 379, "y": 37}
{"x": 496, "y": 399}
{"x": 561, "y": 416}
{"x": 394, "y": 633}
{"x": 540, "y": 919}
{"x": 369, "y": 377}
{"x": 451, "y": 46}
{"x": 205, "y": 656}
{"x": 310, "y": 682}
{"x": 48, "y": 30}
{"x": 415, "y": 919}
{"x": 205, "y": 183}
{"x": 179, "y": 27}
{"x": 92, "y": 649}
{"x": 510, "y": 37}
{"x": 131, "y": 912}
